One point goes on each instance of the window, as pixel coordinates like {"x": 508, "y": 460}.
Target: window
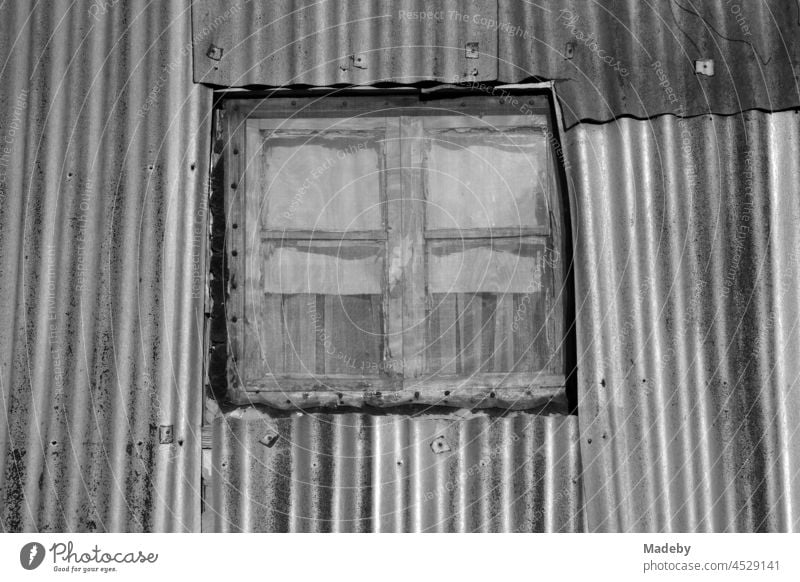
{"x": 385, "y": 251}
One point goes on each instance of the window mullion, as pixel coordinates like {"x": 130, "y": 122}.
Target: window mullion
{"x": 412, "y": 256}
{"x": 393, "y": 292}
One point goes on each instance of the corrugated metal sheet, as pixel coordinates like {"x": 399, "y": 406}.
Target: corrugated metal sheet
{"x": 286, "y": 42}
{"x": 394, "y": 472}
{"x": 687, "y": 276}
{"x": 755, "y": 47}
{"x": 104, "y": 173}
{"x": 606, "y": 71}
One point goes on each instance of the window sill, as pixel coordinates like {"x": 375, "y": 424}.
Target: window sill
{"x": 509, "y": 391}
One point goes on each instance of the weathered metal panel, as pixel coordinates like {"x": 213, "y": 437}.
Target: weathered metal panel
{"x": 104, "y": 168}
{"x": 686, "y": 283}
{"x": 326, "y": 43}
{"x": 394, "y": 472}
{"x": 687, "y": 275}
{"x": 603, "y": 55}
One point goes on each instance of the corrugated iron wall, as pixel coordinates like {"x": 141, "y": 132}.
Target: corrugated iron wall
{"x": 688, "y": 265}
{"x": 104, "y": 143}
{"x": 604, "y": 56}
{"x": 607, "y": 55}
{"x": 686, "y": 278}
{"x": 395, "y": 472}
{"x": 285, "y": 42}
{"x": 684, "y": 260}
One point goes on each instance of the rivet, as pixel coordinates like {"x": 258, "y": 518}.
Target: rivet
{"x": 704, "y": 67}
{"x": 165, "y": 435}
{"x": 440, "y": 445}
{"x": 214, "y": 52}
{"x": 269, "y": 439}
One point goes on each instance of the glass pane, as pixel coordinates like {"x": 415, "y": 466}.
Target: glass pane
{"x": 490, "y": 308}
{"x": 329, "y": 267}
{"x": 467, "y": 333}
{"x": 495, "y": 266}
{"x": 323, "y": 181}
{"x": 318, "y": 334}
{"x": 321, "y": 309}
{"x": 479, "y": 178}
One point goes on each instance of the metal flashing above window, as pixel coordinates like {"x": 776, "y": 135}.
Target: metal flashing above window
{"x": 358, "y": 43}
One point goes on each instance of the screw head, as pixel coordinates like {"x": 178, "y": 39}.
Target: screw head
{"x": 165, "y": 434}
{"x": 214, "y": 52}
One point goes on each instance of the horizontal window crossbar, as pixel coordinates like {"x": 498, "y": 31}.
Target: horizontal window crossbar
{"x": 469, "y": 233}
{"x": 271, "y": 234}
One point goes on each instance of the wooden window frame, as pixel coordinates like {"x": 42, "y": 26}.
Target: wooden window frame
{"x": 484, "y": 389}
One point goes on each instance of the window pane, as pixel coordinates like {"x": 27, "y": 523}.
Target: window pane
{"x": 323, "y": 181}
{"x": 321, "y": 310}
{"x": 497, "y": 266}
{"x": 489, "y": 332}
{"x": 479, "y": 178}
{"x": 490, "y": 308}
{"x": 318, "y": 334}
{"x": 330, "y": 267}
